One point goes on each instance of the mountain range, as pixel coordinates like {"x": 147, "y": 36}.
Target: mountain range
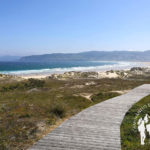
{"x": 91, "y": 56}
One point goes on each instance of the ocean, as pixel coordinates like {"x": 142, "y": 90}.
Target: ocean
{"x": 19, "y": 68}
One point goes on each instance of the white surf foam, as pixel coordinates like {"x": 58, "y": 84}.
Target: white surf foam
{"x": 119, "y": 65}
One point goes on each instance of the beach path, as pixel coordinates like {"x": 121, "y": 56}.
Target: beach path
{"x": 95, "y": 128}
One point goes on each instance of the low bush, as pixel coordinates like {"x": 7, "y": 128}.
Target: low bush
{"x": 30, "y": 83}
{"x": 103, "y": 96}
{"x": 58, "y": 110}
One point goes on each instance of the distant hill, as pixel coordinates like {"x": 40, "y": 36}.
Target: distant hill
{"x": 92, "y": 56}
{"x": 9, "y": 58}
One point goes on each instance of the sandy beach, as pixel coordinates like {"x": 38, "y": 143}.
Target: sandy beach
{"x": 102, "y": 71}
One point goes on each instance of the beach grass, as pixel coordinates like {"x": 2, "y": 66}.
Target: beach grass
{"x": 130, "y": 136}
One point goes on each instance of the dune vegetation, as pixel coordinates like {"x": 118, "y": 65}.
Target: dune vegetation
{"x": 31, "y": 108}
{"x": 130, "y": 136}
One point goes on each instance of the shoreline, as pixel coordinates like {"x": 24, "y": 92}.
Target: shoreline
{"x": 99, "y": 69}
{"x": 102, "y": 71}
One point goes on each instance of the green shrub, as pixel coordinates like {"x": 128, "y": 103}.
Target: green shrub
{"x": 32, "y": 83}
{"x": 58, "y": 110}
{"x": 103, "y": 96}
{"x": 26, "y": 115}
{"x": 9, "y": 87}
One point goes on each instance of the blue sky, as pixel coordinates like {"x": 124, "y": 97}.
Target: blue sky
{"x": 47, "y": 26}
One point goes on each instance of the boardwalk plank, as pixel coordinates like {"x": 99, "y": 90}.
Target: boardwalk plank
{"x": 95, "y": 128}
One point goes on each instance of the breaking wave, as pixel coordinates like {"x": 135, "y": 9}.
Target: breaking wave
{"x": 117, "y": 65}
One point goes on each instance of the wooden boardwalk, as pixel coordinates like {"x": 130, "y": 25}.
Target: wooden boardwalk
{"x": 95, "y": 128}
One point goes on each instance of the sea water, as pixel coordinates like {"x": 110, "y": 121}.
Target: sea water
{"x": 57, "y": 67}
